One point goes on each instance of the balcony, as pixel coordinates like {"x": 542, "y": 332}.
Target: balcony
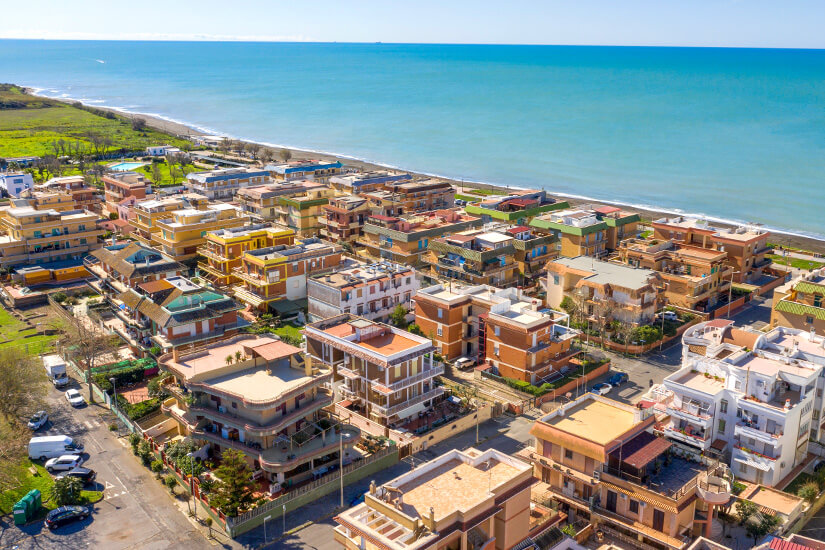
{"x": 395, "y": 409}
{"x": 714, "y": 486}
{"x": 253, "y": 279}
{"x": 694, "y": 440}
{"x": 750, "y": 430}
{"x": 271, "y": 428}
{"x": 753, "y": 458}
{"x": 693, "y": 416}
{"x": 436, "y": 370}
{"x": 248, "y": 297}
{"x": 170, "y": 407}
{"x": 206, "y": 253}
{"x": 217, "y": 333}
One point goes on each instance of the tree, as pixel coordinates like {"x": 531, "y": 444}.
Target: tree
{"x": 809, "y": 491}
{"x": 87, "y": 345}
{"x": 156, "y": 173}
{"x": 234, "y": 490}
{"x": 285, "y": 154}
{"x": 171, "y": 483}
{"x": 568, "y": 305}
{"x": 22, "y": 384}
{"x": 605, "y": 317}
{"x": 415, "y": 329}
{"x": 624, "y": 331}
{"x": 13, "y": 441}
{"x": 66, "y": 490}
{"x": 758, "y": 529}
{"x": 745, "y": 509}
{"x": 727, "y": 520}
{"x": 238, "y": 356}
{"x": 265, "y": 155}
{"x": 228, "y": 360}
{"x": 398, "y": 317}
{"x": 208, "y": 522}
{"x": 138, "y": 124}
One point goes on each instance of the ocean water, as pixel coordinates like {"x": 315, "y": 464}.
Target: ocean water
{"x": 732, "y": 134}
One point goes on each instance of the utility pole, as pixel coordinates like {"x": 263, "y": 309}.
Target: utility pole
{"x": 341, "y": 464}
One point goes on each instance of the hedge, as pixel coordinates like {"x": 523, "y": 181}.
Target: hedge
{"x": 138, "y": 410}
{"x": 538, "y": 391}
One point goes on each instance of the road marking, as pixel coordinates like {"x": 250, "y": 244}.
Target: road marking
{"x": 88, "y": 425}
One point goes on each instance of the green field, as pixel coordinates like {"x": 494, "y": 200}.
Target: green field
{"x": 29, "y": 125}
{"x": 14, "y": 333}
{"x": 795, "y": 262}
{"x": 165, "y": 176}
{"x": 43, "y": 481}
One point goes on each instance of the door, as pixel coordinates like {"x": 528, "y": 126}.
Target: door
{"x": 658, "y": 520}
{"x": 611, "y": 501}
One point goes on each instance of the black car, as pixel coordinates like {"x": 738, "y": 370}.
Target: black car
{"x": 84, "y": 474}
{"x": 65, "y": 514}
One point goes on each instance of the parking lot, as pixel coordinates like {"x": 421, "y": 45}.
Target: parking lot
{"x": 136, "y": 511}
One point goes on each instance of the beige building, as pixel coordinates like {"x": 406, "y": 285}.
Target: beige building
{"x": 181, "y": 234}
{"x": 799, "y": 303}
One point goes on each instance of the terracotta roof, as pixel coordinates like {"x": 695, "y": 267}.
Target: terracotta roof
{"x": 518, "y": 229}
{"x": 719, "y": 323}
{"x": 606, "y": 210}
{"x": 383, "y": 218}
{"x": 521, "y": 202}
{"x": 275, "y": 350}
{"x": 719, "y": 444}
{"x": 779, "y": 544}
{"x": 641, "y": 449}
{"x": 152, "y": 287}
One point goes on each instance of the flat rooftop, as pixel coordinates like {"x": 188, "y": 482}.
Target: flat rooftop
{"x": 604, "y": 273}
{"x": 698, "y": 381}
{"x": 389, "y": 343}
{"x": 594, "y": 420}
{"x": 782, "y": 502}
{"x": 214, "y": 357}
{"x": 256, "y": 384}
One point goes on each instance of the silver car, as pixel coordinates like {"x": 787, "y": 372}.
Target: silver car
{"x": 74, "y": 398}
{"x": 63, "y": 463}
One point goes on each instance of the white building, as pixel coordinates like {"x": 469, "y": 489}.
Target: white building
{"x": 752, "y": 398}
{"x": 224, "y": 183}
{"x": 161, "y": 150}
{"x": 372, "y": 291}
{"x": 14, "y": 183}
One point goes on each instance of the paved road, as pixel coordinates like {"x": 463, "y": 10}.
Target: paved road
{"x": 136, "y": 512}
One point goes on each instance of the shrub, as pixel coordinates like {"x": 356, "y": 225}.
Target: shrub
{"x": 415, "y": 329}
{"x": 155, "y": 350}
{"x": 809, "y": 491}
{"x": 144, "y": 452}
{"x": 646, "y": 334}
{"x": 66, "y": 490}
{"x": 170, "y": 482}
{"x": 138, "y": 410}
{"x": 569, "y": 530}
{"x": 134, "y": 440}
{"x": 59, "y": 297}
{"x": 156, "y": 466}
{"x": 112, "y": 427}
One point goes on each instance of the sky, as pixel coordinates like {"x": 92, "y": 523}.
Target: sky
{"x": 725, "y": 23}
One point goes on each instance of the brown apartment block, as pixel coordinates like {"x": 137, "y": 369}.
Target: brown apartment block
{"x": 343, "y": 218}
{"x": 476, "y": 257}
{"x": 799, "y": 303}
{"x": 497, "y": 326}
{"x": 694, "y": 277}
{"x": 587, "y": 232}
{"x": 462, "y": 500}
{"x": 601, "y": 463}
{"x": 118, "y": 186}
{"x": 746, "y": 247}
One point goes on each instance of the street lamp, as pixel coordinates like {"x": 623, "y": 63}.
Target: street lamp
{"x": 283, "y": 515}
{"x": 192, "y": 482}
{"x": 113, "y": 380}
{"x": 265, "y": 520}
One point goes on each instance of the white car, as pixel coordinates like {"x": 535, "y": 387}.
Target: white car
{"x": 74, "y": 398}
{"x": 38, "y": 419}
{"x": 669, "y": 316}
{"x": 63, "y": 463}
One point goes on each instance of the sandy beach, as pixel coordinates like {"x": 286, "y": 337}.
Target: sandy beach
{"x": 182, "y": 130}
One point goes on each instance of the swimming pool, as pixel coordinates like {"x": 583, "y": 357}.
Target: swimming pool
{"x": 125, "y": 166}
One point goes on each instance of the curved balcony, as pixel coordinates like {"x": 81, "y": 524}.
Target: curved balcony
{"x": 254, "y": 404}
{"x": 271, "y": 428}
{"x": 714, "y": 486}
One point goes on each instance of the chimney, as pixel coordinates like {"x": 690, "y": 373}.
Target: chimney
{"x": 175, "y": 355}
{"x": 432, "y": 519}
{"x": 372, "y": 487}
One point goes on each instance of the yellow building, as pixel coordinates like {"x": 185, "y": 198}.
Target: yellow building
{"x": 181, "y": 233}
{"x": 148, "y": 212}
{"x": 799, "y": 303}
{"x": 301, "y": 212}
{"x": 224, "y": 248}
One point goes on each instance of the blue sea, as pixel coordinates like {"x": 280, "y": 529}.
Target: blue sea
{"x": 731, "y": 134}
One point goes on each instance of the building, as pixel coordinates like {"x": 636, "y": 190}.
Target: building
{"x": 224, "y": 183}
{"x": 29, "y": 236}
{"x": 302, "y": 213}
{"x": 748, "y": 397}
{"x": 343, "y": 218}
{"x": 693, "y": 277}
{"x": 14, "y": 183}
{"x": 224, "y": 248}
{"x": 304, "y": 170}
{"x": 118, "y": 186}
{"x": 405, "y": 239}
{"x": 124, "y": 265}
{"x": 45, "y": 200}
{"x": 355, "y": 183}
{"x": 798, "y": 303}
{"x": 145, "y": 213}
{"x": 477, "y": 257}
{"x": 161, "y": 150}
{"x": 587, "y": 231}
{"x": 84, "y": 197}
{"x": 600, "y": 461}
{"x": 176, "y": 314}
{"x": 261, "y": 201}
{"x": 460, "y": 500}
{"x": 372, "y": 291}
{"x": 518, "y": 207}
{"x": 388, "y": 373}
{"x": 604, "y": 289}
{"x": 277, "y": 276}
{"x": 266, "y": 402}
{"x": 184, "y": 231}
{"x": 422, "y": 195}
{"x": 746, "y": 247}
{"x": 532, "y": 253}
{"x": 500, "y": 327}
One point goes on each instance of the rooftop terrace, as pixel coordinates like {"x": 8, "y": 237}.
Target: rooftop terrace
{"x": 594, "y": 419}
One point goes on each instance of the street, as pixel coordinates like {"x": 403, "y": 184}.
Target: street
{"x": 136, "y": 512}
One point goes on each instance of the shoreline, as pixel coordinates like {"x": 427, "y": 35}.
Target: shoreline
{"x": 184, "y": 130}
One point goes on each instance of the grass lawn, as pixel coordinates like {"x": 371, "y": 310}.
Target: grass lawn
{"x": 292, "y": 331}
{"x": 484, "y": 192}
{"x": 468, "y": 198}
{"x": 42, "y": 481}
{"x": 795, "y": 262}
{"x": 29, "y": 124}
{"x": 15, "y": 333}
{"x": 798, "y": 482}
{"x": 165, "y": 176}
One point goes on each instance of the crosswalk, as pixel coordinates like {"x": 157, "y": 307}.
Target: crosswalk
{"x": 75, "y": 426}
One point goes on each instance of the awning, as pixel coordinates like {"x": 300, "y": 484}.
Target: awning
{"x": 409, "y": 411}
{"x": 719, "y": 445}
{"x": 641, "y": 450}
{"x": 275, "y": 350}
{"x": 753, "y": 463}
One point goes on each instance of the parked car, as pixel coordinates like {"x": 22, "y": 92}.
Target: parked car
{"x": 464, "y": 363}
{"x": 52, "y": 446}
{"x": 65, "y": 514}
{"x": 668, "y": 316}
{"x": 601, "y": 388}
{"x": 63, "y": 463}
{"x": 74, "y": 398}
{"x": 38, "y": 420}
{"x": 84, "y": 474}
{"x": 819, "y": 466}
{"x": 618, "y": 379}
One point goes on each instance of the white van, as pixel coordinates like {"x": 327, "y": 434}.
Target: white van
{"x": 52, "y": 446}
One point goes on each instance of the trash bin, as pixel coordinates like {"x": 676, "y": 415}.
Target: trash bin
{"x": 21, "y": 513}
{"x": 37, "y": 501}
{"x": 28, "y": 502}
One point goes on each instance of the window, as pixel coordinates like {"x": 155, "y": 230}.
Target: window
{"x": 721, "y": 428}
{"x": 634, "y": 506}
{"x": 723, "y": 407}
{"x": 440, "y": 313}
{"x": 495, "y": 349}
{"x": 568, "y": 454}
{"x": 439, "y": 331}
{"x": 555, "y": 280}
{"x": 743, "y": 468}
{"x": 737, "y": 385}
{"x": 809, "y": 320}
{"x": 234, "y": 405}
{"x": 497, "y": 331}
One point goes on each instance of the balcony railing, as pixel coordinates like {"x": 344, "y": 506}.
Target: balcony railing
{"x": 436, "y": 370}
{"x": 270, "y": 428}
{"x": 395, "y": 409}
{"x": 693, "y": 439}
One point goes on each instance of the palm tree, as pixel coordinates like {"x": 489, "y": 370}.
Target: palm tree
{"x": 228, "y": 360}
{"x": 238, "y": 356}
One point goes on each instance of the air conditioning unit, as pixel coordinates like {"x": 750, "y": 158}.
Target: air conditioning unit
{"x": 624, "y": 496}
{"x": 221, "y": 408}
{"x": 596, "y": 474}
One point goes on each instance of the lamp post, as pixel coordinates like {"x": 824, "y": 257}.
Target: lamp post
{"x": 192, "y": 482}
{"x": 265, "y": 520}
{"x": 283, "y": 515}
{"x": 113, "y": 380}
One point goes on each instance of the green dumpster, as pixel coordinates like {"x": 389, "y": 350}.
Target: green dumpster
{"x": 21, "y": 513}
{"x": 28, "y": 502}
{"x": 37, "y": 501}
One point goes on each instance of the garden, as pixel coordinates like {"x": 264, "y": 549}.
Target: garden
{"x": 289, "y": 332}
{"x": 128, "y": 375}
{"x": 33, "y": 475}
{"x": 584, "y": 367}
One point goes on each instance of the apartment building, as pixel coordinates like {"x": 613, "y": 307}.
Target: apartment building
{"x": 461, "y": 500}
{"x": 475, "y": 257}
{"x": 405, "y": 239}
{"x": 279, "y": 273}
{"x": 499, "y": 326}
{"x": 422, "y": 195}
{"x": 517, "y": 208}
{"x": 261, "y": 201}
{"x": 694, "y": 277}
{"x": 746, "y": 247}
{"x": 604, "y": 289}
{"x": 388, "y": 374}
{"x": 601, "y": 462}
{"x": 224, "y": 248}
{"x": 14, "y": 183}
{"x": 175, "y": 313}
{"x": 146, "y": 213}
{"x": 343, "y": 218}
{"x": 533, "y": 251}
{"x": 119, "y": 185}
{"x": 45, "y": 200}
{"x": 126, "y": 264}
{"x": 266, "y": 402}
{"x": 751, "y": 398}
{"x": 318, "y": 170}
{"x": 587, "y": 231}
{"x": 369, "y": 290}
{"x": 798, "y": 303}
{"x": 355, "y": 183}
{"x": 29, "y": 236}
{"x": 224, "y": 183}
{"x": 302, "y": 213}
{"x": 184, "y": 231}
{"x": 83, "y": 196}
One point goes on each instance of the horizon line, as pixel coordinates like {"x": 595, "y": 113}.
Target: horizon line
{"x": 379, "y": 42}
